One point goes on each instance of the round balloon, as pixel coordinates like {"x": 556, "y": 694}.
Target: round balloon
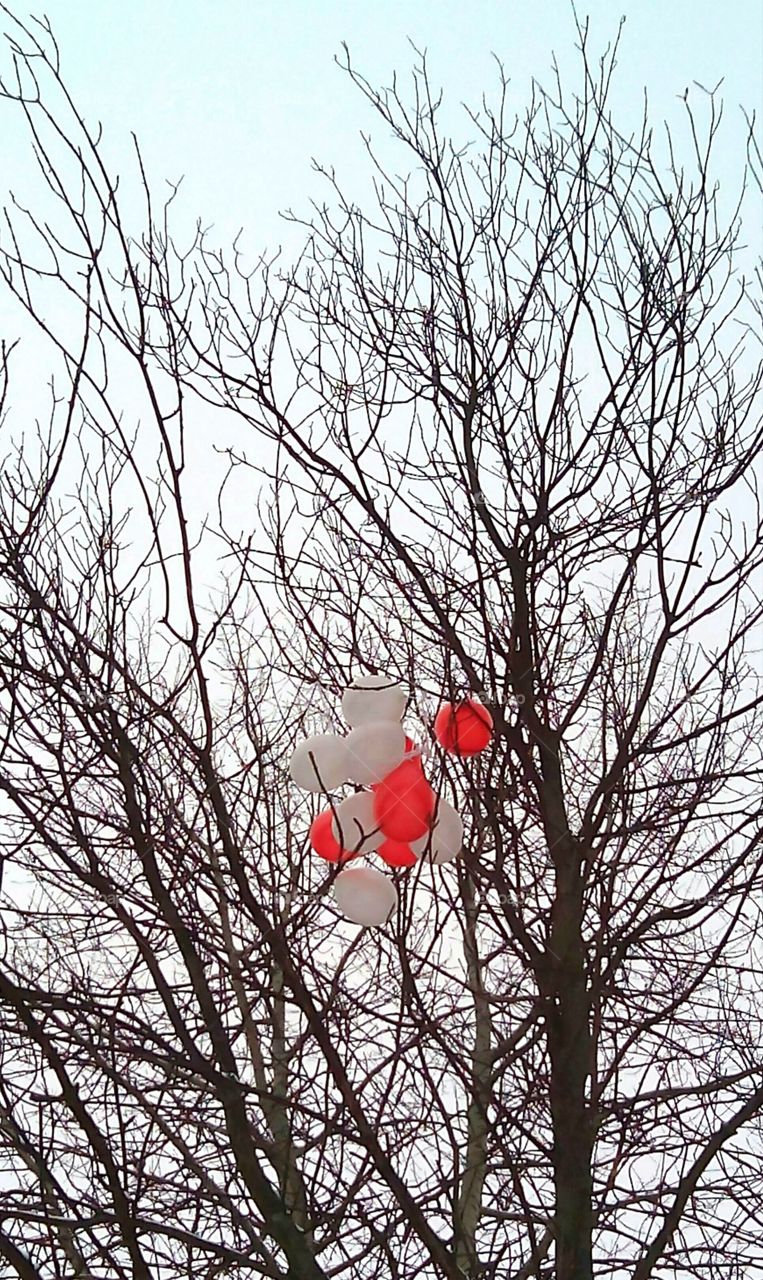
{"x": 371, "y": 698}
{"x": 320, "y": 763}
{"x": 397, "y": 854}
{"x": 355, "y": 826}
{"x": 412, "y": 754}
{"x": 443, "y": 843}
{"x": 365, "y": 895}
{"x": 373, "y": 751}
{"x": 322, "y": 839}
{"x": 403, "y": 802}
{"x": 464, "y": 729}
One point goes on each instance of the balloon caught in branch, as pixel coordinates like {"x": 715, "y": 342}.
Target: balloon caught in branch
{"x": 463, "y": 729}
{"x": 397, "y": 814}
{"x": 404, "y": 802}
{"x": 374, "y": 750}
{"x": 373, "y": 698}
{"x": 397, "y": 854}
{"x": 365, "y": 895}
{"x": 355, "y": 825}
{"x": 443, "y": 842}
{"x": 320, "y": 763}
{"x": 323, "y": 842}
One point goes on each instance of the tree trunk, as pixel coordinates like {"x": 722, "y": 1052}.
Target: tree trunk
{"x": 569, "y": 1044}
{"x": 562, "y": 975}
{"x": 468, "y": 1208}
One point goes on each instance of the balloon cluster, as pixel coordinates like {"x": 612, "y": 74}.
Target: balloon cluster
{"x": 397, "y": 815}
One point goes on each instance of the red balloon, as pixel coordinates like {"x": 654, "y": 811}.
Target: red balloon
{"x": 404, "y": 802}
{"x": 410, "y": 745}
{"x": 323, "y": 841}
{"x": 463, "y": 730}
{"x": 397, "y": 854}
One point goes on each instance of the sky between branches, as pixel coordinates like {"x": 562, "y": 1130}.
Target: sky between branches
{"x": 239, "y": 95}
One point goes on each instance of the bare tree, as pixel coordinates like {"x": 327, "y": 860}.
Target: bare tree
{"x": 496, "y": 432}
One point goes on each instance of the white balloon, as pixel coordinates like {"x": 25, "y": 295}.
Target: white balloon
{"x": 444, "y": 842}
{"x": 354, "y": 824}
{"x": 365, "y": 895}
{"x": 320, "y": 763}
{"x": 374, "y": 750}
{"x": 371, "y": 698}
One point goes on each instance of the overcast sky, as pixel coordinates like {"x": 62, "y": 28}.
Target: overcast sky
{"x": 237, "y": 96}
